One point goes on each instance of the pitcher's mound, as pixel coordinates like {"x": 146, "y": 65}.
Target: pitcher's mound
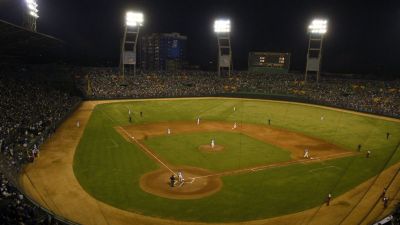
{"x": 196, "y": 184}
{"x": 207, "y": 148}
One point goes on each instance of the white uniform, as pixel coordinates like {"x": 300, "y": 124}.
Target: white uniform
{"x": 78, "y": 124}
{"x": 234, "y": 126}
{"x": 234, "y": 109}
{"x": 129, "y": 111}
{"x": 306, "y": 153}
{"x": 198, "y": 120}
{"x": 180, "y": 177}
{"x": 212, "y": 143}
{"x": 168, "y": 131}
{"x": 322, "y": 118}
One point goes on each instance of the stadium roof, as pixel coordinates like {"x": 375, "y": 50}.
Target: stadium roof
{"x": 17, "y": 44}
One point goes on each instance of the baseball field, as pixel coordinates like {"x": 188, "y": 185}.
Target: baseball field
{"x": 256, "y": 171}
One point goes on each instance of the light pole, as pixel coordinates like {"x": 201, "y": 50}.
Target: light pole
{"x": 133, "y": 22}
{"x": 222, "y": 27}
{"x": 32, "y": 14}
{"x": 317, "y": 29}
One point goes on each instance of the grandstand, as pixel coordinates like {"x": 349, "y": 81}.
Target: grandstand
{"x": 53, "y": 111}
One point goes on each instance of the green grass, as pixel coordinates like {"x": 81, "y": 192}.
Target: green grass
{"x": 109, "y": 168}
{"x": 239, "y": 150}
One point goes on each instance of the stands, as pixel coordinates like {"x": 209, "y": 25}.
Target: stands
{"x": 376, "y": 97}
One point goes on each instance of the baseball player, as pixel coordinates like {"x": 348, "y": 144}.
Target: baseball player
{"x": 212, "y": 143}
{"x": 385, "y": 202}
{"x": 181, "y": 180}
{"x": 306, "y": 153}
{"x": 269, "y": 121}
{"x": 322, "y": 118}
{"x": 168, "y": 131}
{"x": 78, "y": 124}
{"x": 234, "y": 108}
{"x": 328, "y": 199}
{"x": 368, "y": 153}
{"x": 234, "y": 126}
{"x": 383, "y": 193}
{"x": 172, "y": 180}
{"x": 359, "y": 147}
{"x": 387, "y": 135}
{"x": 198, "y": 120}
{"x": 129, "y": 112}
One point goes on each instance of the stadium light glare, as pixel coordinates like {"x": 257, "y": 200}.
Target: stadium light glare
{"x": 134, "y": 19}
{"x": 222, "y": 26}
{"x": 318, "y": 26}
{"x": 32, "y": 8}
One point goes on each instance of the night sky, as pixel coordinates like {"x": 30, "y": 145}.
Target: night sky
{"x": 363, "y": 36}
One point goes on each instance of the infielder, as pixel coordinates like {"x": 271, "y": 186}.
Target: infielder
{"x": 168, "y": 131}
{"x": 198, "y": 120}
{"x": 78, "y": 124}
{"x": 212, "y": 143}
{"x": 306, "y": 153}
{"x": 234, "y": 126}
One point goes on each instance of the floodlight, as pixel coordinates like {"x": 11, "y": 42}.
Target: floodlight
{"x": 318, "y": 26}
{"x": 32, "y": 8}
{"x": 134, "y": 19}
{"x": 222, "y": 26}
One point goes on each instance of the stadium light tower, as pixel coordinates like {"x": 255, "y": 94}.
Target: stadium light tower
{"x": 317, "y": 29}
{"x": 32, "y": 14}
{"x": 222, "y": 27}
{"x": 133, "y": 22}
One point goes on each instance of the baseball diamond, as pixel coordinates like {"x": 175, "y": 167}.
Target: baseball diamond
{"x": 256, "y": 175}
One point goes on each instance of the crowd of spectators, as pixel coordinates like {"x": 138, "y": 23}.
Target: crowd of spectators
{"x": 30, "y": 111}
{"x": 379, "y": 97}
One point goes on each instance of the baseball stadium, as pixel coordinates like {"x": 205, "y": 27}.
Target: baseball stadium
{"x": 152, "y": 140}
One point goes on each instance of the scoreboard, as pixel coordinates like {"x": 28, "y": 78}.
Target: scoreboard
{"x": 273, "y": 62}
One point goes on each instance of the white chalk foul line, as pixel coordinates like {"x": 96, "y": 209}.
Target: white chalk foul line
{"x": 275, "y": 165}
{"x": 147, "y": 150}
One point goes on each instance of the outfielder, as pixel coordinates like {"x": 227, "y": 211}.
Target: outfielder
{"x": 234, "y": 108}
{"x": 198, "y": 120}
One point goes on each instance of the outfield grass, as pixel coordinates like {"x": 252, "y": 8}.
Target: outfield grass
{"x": 239, "y": 151}
{"x": 109, "y": 168}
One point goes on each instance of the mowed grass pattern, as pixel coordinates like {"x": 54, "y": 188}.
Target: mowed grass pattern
{"x": 239, "y": 151}
{"x": 109, "y": 168}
